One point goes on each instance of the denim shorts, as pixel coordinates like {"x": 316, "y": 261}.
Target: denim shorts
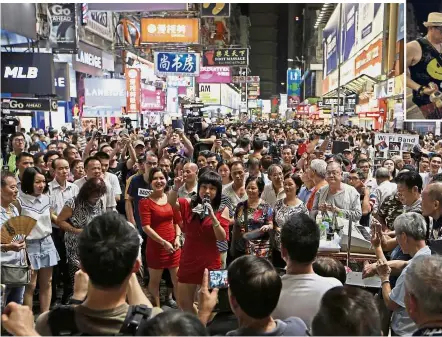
{"x": 42, "y": 253}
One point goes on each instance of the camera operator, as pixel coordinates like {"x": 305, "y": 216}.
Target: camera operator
{"x": 206, "y": 136}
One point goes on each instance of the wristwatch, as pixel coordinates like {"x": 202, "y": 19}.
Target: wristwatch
{"x": 421, "y": 89}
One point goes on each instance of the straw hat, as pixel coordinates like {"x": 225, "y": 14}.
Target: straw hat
{"x": 434, "y": 20}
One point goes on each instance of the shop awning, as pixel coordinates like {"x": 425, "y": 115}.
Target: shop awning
{"x": 354, "y": 87}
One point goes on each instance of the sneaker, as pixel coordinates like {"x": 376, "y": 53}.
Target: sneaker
{"x": 170, "y": 303}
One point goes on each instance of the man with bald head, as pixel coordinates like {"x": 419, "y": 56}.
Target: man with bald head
{"x": 432, "y": 206}
{"x": 190, "y": 178}
{"x": 337, "y": 197}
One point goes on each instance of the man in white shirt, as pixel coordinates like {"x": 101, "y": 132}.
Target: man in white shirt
{"x": 60, "y": 191}
{"x": 190, "y": 187}
{"x": 108, "y": 177}
{"x": 302, "y": 289}
{"x": 92, "y": 167}
{"x": 435, "y": 168}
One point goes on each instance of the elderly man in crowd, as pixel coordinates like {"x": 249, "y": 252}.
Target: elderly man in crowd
{"x": 432, "y": 206}
{"x": 337, "y": 197}
{"x": 410, "y": 229}
{"x": 384, "y": 188}
{"x": 423, "y": 294}
{"x": 318, "y": 169}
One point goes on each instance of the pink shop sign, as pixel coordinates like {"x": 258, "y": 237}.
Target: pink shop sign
{"x": 153, "y": 100}
{"x": 215, "y": 75}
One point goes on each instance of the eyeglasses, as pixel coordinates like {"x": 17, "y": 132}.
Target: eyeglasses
{"x": 333, "y": 173}
{"x": 19, "y": 140}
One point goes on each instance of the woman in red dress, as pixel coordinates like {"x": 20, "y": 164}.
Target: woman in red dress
{"x": 203, "y": 223}
{"x": 159, "y": 223}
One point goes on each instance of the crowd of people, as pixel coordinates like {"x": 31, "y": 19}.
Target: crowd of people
{"x": 136, "y": 218}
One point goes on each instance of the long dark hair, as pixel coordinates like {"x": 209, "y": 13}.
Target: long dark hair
{"x": 91, "y": 186}
{"x": 27, "y": 183}
{"x": 214, "y": 179}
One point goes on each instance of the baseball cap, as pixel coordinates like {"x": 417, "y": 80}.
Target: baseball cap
{"x": 139, "y": 143}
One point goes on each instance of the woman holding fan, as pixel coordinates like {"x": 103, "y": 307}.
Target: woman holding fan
{"x": 34, "y": 203}
{"x": 11, "y": 253}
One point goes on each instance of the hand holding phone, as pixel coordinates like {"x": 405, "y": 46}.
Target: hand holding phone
{"x": 218, "y": 279}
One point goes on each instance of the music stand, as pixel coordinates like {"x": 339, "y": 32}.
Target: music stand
{"x": 349, "y": 241}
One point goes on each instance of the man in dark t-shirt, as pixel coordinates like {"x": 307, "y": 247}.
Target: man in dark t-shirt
{"x": 424, "y": 63}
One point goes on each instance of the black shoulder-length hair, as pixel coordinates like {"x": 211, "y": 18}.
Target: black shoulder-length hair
{"x": 27, "y": 182}
{"x": 212, "y": 178}
{"x": 91, "y": 186}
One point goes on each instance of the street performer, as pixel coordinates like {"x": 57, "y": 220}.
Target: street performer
{"x": 424, "y": 63}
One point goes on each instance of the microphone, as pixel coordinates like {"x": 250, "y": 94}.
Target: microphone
{"x": 206, "y": 200}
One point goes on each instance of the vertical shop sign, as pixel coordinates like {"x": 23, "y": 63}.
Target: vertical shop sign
{"x": 133, "y": 89}
{"x": 63, "y": 30}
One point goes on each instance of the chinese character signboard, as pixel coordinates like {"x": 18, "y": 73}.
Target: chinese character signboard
{"x": 214, "y": 75}
{"x": 226, "y": 57}
{"x": 162, "y": 30}
{"x": 177, "y": 64}
{"x": 293, "y": 87}
{"x": 215, "y": 10}
{"x": 133, "y": 90}
{"x": 242, "y": 79}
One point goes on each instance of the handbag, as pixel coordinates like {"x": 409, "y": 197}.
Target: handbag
{"x": 16, "y": 275}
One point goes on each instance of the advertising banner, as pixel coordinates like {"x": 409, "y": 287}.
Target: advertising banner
{"x": 179, "y": 81}
{"x": 400, "y": 22}
{"x": 177, "y": 63}
{"x": 62, "y": 81}
{"x": 165, "y": 30}
{"x": 27, "y": 73}
{"x": 349, "y": 11}
{"x": 89, "y": 60}
{"x": 133, "y": 90}
{"x": 331, "y": 41}
{"x": 29, "y": 104}
{"x": 226, "y": 57}
{"x": 136, "y": 7}
{"x": 243, "y": 79}
{"x": 390, "y": 144}
{"x": 360, "y": 25}
{"x": 216, "y": 10}
{"x": 152, "y": 99}
{"x": 370, "y": 22}
{"x": 63, "y": 31}
{"x": 294, "y": 77}
{"x": 134, "y": 61}
{"x": 107, "y": 92}
{"x": 100, "y": 23}
{"x": 215, "y": 75}
{"x": 210, "y": 93}
{"x": 369, "y": 61}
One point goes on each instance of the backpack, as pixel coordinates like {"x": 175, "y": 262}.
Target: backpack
{"x": 61, "y": 320}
